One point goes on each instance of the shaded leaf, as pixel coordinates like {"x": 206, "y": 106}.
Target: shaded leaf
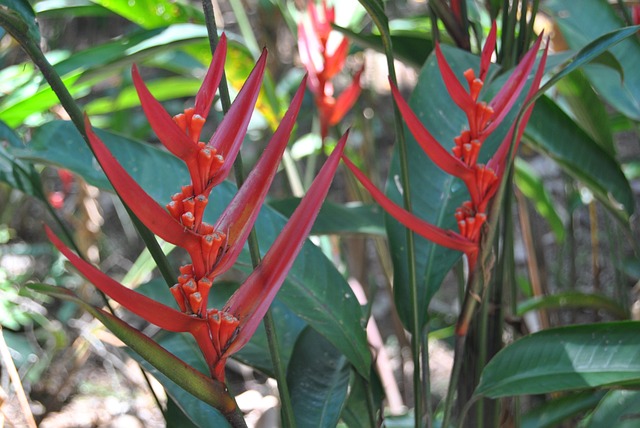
{"x": 551, "y": 131}
{"x": 318, "y": 378}
{"x": 618, "y": 409}
{"x": 572, "y": 299}
{"x": 565, "y": 358}
{"x": 553, "y": 412}
{"x": 339, "y": 219}
{"x": 20, "y": 15}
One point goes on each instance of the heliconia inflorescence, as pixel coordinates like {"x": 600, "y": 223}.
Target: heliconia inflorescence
{"x": 323, "y": 53}
{"x": 482, "y": 181}
{"x": 213, "y": 248}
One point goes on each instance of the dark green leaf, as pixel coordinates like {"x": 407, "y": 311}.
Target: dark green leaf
{"x": 553, "y": 412}
{"x": 532, "y": 186}
{"x": 618, "y": 409}
{"x": 551, "y": 131}
{"x": 565, "y": 359}
{"x": 339, "y": 219}
{"x": 583, "y": 21}
{"x": 318, "y": 378}
{"x": 16, "y": 173}
{"x": 587, "y": 109}
{"x": 573, "y": 299}
{"x": 314, "y": 290}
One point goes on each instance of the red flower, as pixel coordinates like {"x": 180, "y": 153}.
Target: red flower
{"x": 323, "y": 52}
{"x": 482, "y": 181}
{"x": 213, "y": 248}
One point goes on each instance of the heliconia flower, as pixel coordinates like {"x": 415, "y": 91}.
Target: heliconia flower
{"x": 324, "y": 52}
{"x": 635, "y": 14}
{"x": 221, "y": 333}
{"x": 482, "y": 181}
{"x": 213, "y": 248}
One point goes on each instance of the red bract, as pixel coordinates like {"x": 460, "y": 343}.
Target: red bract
{"x": 323, "y": 52}
{"x": 482, "y": 181}
{"x": 213, "y": 248}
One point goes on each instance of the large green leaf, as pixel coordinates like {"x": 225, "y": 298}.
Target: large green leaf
{"x": 314, "y": 290}
{"x": 618, "y": 409}
{"x": 551, "y": 131}
{"x": 318, "y": 378}
{"x": 583, "y": 21}
{"x": 553, "y": 412}
{"x": 564, "y": 359}
{"x": 573, "y": 299}
{"x": 67, "y": 8}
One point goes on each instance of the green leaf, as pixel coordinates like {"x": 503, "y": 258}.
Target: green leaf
{"x": 587, "y": 109}
{"x": 67, "y": 8}
{"x": 318, "y": 378}
{"x": 552, "y": 132}
{"x": 153, "y": 13}
{"x": 573, "y": 299}
{"x": 618, "y": 409}
{"x": 532, "y": 186}
{"x": 20, "y": 15}
{"x": 339, "y": 219}
{"x": 189, "y": 379}
{"x": 583, "y": 21}
{"x": 314, "y": 290}
{"x": 16, "y": 173}
{"x": 553, "y": 412}
{"x": 564, "y": 359}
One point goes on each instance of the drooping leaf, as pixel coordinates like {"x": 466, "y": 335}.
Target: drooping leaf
{"x": 572, "y": 299}
{"x": 553, "y": 412}
{"x": 314, "y": 290}
{"x": 318, "y": 378}
{"x": 580, "y": 23}
{"x": 552, "y": 132}
{"x": 565, "y": 358}
{"x": 618, "y": 409}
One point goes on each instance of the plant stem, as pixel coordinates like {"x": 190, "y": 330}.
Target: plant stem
{"x": 254, "y": 249}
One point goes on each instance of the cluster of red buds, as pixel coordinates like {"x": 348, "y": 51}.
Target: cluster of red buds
{"x": 482, "y": 180}
{"x": 213, "y": 248}
{"x": 323, "y": 53}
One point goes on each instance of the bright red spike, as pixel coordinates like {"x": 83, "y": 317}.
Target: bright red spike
{"x": 231, "y": 131}
{"x": 334, "y": 62}
{"x": 241, "y": 213}
{"x": 207, "y": 91}
{"x": 251, "y": 301}
{"x": 433, "y": 233}
{"x": 457, "y": 92}
{"x": 438, "y": 154}
{"x": 144, "y": 206}
{"x": 168, "y": 132}
{"x": 487, "y": 51}
{"x": 156, "y": 313}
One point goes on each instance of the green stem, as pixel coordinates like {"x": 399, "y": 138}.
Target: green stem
{"x": 406, "y": 197}
{"x": 254, "y": 249}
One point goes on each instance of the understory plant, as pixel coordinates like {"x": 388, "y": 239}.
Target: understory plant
{"x": 178, "y": 160}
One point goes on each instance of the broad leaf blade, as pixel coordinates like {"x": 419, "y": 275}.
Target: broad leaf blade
{"x": 318, "y": 378}
{"x": 583, "y": 21}
{"x": 573, "y": 299}
{"x": 618, "y": 409}
{"x": 552, "y": 413}
{"x": 552, "y": 132}
{"x": 566, "y": 358}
